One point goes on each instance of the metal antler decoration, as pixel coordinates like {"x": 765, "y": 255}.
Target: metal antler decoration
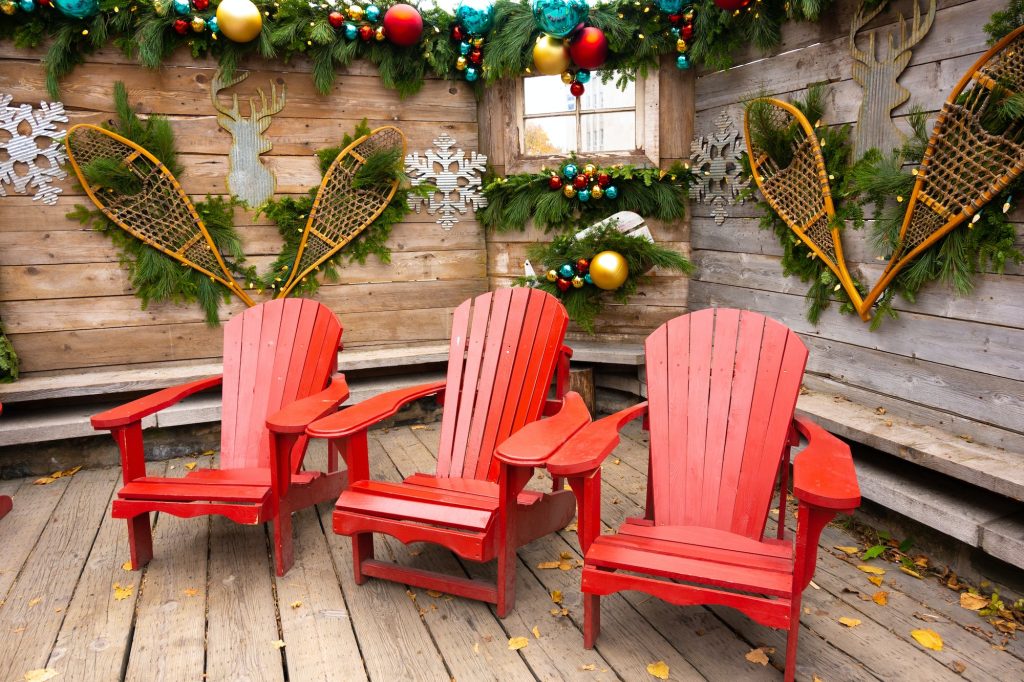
{"x": 878, "y": 75}
{"x": 248, "y": 179}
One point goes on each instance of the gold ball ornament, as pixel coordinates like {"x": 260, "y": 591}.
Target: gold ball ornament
{"x": 567, "y": 77}
{"x": 8, "y": 8}
{"x": 577, "y": 282}
{"x": 608, "y": 269}
{"x": 552, "y": 275}
{"x": 355, "y": 12}
{"x": 681, "y": 45}
{"x": 590, "y": 169}
{"x": 379, "y": 34}
{"x": 569, "y": 191}
{"x": 596, "y": 192}
{"x": 198, "y": 24}
{"x": 460, "y": 63}
{"x": 239, "y": 20}
{"x": 550, "y": 56}
{"x": 477, "y": 42}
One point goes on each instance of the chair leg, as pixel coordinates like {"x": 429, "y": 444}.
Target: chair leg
{"x": 140, "y": 540}
{"x": 791, "y": 638}
{"x": 362, "y": 550}
{"x": 284, "y": 552}
{"x": 506, "y": 579}
{"x": 591, "y": 619}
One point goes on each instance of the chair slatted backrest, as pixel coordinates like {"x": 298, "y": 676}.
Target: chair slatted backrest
{"x": 274, "y": 353}
{"x": 504, "y": 349}
{"x": 722, "y": 386}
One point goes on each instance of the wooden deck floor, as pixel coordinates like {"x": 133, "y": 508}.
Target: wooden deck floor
{"x": 209, "y": 606}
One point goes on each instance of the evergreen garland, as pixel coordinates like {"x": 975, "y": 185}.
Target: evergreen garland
{"x": 584, "y": 304}
{"x": 154, "y": 275}
{"x": 290, "y": 215}
{"x": 637, "y": 35}
{"x": 1006, "y": 21}
{"x": 8, "y": 358}
{"x": 515, "y": 200}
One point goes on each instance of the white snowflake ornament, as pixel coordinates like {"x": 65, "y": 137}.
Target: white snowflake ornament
{"x": 458, "y": 180}
{"x": 716, "y": 163}
{"x": 33, "y": 151}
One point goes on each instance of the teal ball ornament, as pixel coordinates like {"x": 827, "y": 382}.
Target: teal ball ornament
{"x": 464, "y": 48}
{"x": 582, "y": 76}
{"x": 683, "y": 62}
{"x": 476, "y": 16}
{"x": 211, "y": 24}
{"x": 670, "y": 6}
{"x": 570, "y": 171}
{"x": 566, "y": 271}
{"x": 351, "y": 32}
{"x": 181, "y": 6}
{"x": 27, "y": 5}
{"x": 583, "y": 195}
{"x": 559, "y": 18}
{"x": 472, "y": 73}
{"x": 372, "y": 13}
{"x": 610, "y": 192}
{"x": 588, "y": 279}
{"x": 77, "y": 9}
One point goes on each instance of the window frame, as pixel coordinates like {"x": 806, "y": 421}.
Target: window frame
{"x": 647, "y": 133}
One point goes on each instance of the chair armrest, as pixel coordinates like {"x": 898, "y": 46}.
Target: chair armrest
{"x": 531, "y": 445}
{"x": 587, "y": 449}
{"x": 360, "y": 417}
{"x": 134, "y": 411}
{"x": 823, "y": 472}
{"x": 296, "y": 416}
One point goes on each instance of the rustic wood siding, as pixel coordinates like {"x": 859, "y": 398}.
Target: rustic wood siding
{"x": 956, "y": 363}
{"x": 67, "y": 303}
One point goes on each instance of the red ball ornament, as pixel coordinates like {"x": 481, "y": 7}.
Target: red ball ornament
{"x": 200, "y": 5}
{"x": 674, "y": 19}
{"x": 366, "y": 32}
{"x": 580, "y": 181}
{"x": 403, "y": 25}
{"x": 686, "y": 32}
{"x": 577, "y": 89}
{"x": 603, "y": 179}
{"x": 457, "y": 32}
{"x": 554, "y": 182}
{"x": 582, "y": 266}
{"x": 589, "y": 48}
{"x": 476, "y": 56}
{"x": 336, "y": 19}
{"x": 732, "y": 5}
{"x": 181, "y": 26}
{"x": 563, "y": 284}
{"x": 44, "y": 3}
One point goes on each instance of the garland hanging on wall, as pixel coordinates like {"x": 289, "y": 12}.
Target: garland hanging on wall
{"x": 576, "y": 194}
{"x": 579, "y": 269}
{"x": 405, "y": 43}
{"x": 8, "y": 358}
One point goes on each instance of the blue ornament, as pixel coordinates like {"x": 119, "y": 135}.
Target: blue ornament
{"x": 78, "y": 9}
{"x": 582, "y": 76}
{"x": 566, "y": 271}
{"x": 670, "y": 6}
{"x": 559, "y": 18}
{"x": 464, "y": 48}
{"x": 610, "y": 192}
{"x": 351, "y": 32}
{"x": 675, "y": 32}
{"x": 372, "y": 13}
{"x": 588, "y": 279}
{"x": 27, "y": 5}
{"x": 181, "y": 6}
{"x": 583, "y": 195}
{"x": 476, "y": 16}
{"x": 471, "y": 73}
{"x": 682, "y": 62}
{"x": 211, "y": 24}
{"x": 569, "y": 171}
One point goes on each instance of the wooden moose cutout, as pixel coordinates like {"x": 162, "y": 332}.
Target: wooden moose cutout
{"x": 248, "y": 179}
{"x": 878, "y": 76}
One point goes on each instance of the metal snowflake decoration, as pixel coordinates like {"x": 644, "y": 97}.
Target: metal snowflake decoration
{"x": 458, "y": 180}
{"x": 716, "y": 163}
{"x": 27, "y": 163}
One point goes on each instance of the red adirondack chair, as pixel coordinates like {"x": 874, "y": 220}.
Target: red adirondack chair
{"x": 278, "y": 361}
{"x": 5, "y": 500}
{"x": 722, "y": 391}
{"x": 505, "y": 347}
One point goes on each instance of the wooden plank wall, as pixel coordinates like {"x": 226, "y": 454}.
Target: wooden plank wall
{"x": 954, "y": 363}
{"x": 67, "y": 304}
{"x": 664, "y": 295}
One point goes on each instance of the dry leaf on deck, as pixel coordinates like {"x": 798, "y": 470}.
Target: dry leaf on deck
{"x": 958, "y": 667}
{"x": 476, "y": 647}
{"x": 191, "y": 465}
{"x": 849, "y": 622}
{"x": 208, "y": 453}
{"x": 40, "y": 675}
{"x": 929, "y": 639}
{"x": 34, "y": 602}
{"x": 759, "y": 655}
{"x": 536, "y": 632}
{"x": 190, "y": 591}
{"x": 122, "y": 592}
{"x": 589, "y": 666}
{"x": 556, "y": 596}
{"x": 875, "y": 580}
{"x": 658, "y": 669}
{"x": 517, "y": 643}
{"x": 434, "y": 593}
{"x": 874, "y": 570}
{"x": 277, "y": 644}
{"x": 616, "y": 461}
{"x": 548, "y": 564}
{"x": 295, "y": 604}
{"x": 972, "y": 602}
{"x": 572, "y": 528}
{"x": 847, "y": 550}
{"x": 46, "y": 480}
{"x": 912, "y": 572}
{"x": 127, "y": 566}
{"x": 881, "y": 598}
{"x": 417, "y": 427}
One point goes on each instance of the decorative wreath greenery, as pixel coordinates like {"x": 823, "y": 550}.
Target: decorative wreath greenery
{"x": 514, "y": 200}
{"x": 585, "y": 303}
{"x": 637, "y": 35}
{"x": 8, "y": 358}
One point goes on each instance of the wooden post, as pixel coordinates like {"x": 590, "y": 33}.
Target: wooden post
{"x": 581, "y": 380}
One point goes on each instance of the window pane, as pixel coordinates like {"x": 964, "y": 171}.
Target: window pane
{"x": 600, "y": 95}
{"x": 609, "y": 132}
{"x": 551, "y": 135}
{"x": 546, "y": 95}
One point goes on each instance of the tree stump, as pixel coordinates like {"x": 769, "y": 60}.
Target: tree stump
{"x": 582, "y": 381}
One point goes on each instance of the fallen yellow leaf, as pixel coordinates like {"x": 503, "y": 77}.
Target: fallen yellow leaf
{"x": 912, "y": 572}
{"x": 875, "y": 580}
{"x": 434, "y": 593}
{"x": 572, "y": 527}
{"x": 127, "y": 566}
{"x": 658, "y": 669}
{"x": 548, "y": 564}
{"x": 881, "y": 598}
{"x": 517, "y": 643}
{"x": 874, "y": 570}
{"x": 476, "y": 647}
{"x": 122, "y": 592}
{"x": 191, "y": 465}
{"x": 208, "y": 453}
{"x": 536, "y": 632}
{"x": 278, "y": 644}
{"x": 190, "y": 591}
{"x": 759, "y": 655}
{"x": 588, "y": 666}
{"x": 616, "y": 461}
{"x": 565, "y": 565}
{"x": 849, "y": 622}
{"x": 295, "y": 604}
{"x": 847, "y": 550}
{"x": 556, "y": 596}
{"x": 34, "y": 602}
{"x": 972, "y": 602}
{"x": 929, "y": 639}
{"x": 417, "y": 427}
{"x": 46, "y": 480}
{"x": 40, "y": 675}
